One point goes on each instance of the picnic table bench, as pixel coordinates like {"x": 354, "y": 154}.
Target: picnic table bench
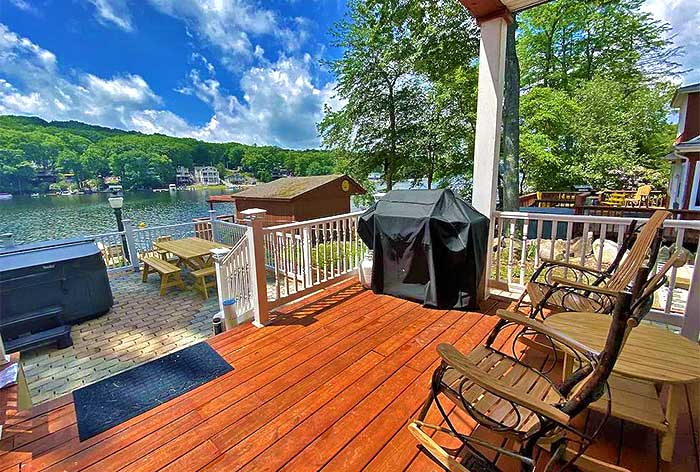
{"x": 200, "y": 280}
{"x": 169, "y": 273}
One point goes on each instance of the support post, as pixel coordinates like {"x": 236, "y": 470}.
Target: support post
{"x": 489, "y": 117}
{"x": 131, "y": 245}
{"x": 212, "y": 219}
{"x": 218, "y": 255}
{"x": 306, "y": 246}
{"x": 691, "y": 322}
{"x": 256, "y": 244}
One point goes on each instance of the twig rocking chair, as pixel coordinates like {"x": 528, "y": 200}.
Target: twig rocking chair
{"x": 503, "y": 394}
{"x": 559, "y": 286}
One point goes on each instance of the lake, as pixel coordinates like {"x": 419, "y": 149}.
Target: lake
{"x": 53, "y": 217}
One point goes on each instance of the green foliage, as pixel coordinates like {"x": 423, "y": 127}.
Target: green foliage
{"x": 29, "y": 145}
{"x": 407, "y": 77}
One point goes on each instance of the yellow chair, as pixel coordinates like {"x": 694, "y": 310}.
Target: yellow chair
{"x": 641, "y": 197}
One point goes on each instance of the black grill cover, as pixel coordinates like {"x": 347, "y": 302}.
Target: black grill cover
{"x": 429, "y": 246}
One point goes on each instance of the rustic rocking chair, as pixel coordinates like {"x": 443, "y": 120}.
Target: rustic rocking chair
{"x": 561, "y": 286}
{"x": 503, "y": 394}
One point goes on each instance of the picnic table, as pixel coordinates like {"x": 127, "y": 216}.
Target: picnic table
{"x": 195, "y": 253}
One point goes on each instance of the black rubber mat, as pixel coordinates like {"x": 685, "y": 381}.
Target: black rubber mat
{"x": 112, "y": 401}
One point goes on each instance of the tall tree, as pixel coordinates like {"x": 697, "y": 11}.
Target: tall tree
{"x": 510, "y": 153}
{"x": 379, "y": 87}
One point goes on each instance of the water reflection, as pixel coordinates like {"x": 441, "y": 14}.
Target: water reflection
{"x": 52, "y": 217}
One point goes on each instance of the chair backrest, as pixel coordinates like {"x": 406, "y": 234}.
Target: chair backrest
{"x": 616, "y": 198}
{"x": 627, "y": 270}
{"x": 644, "y": 191}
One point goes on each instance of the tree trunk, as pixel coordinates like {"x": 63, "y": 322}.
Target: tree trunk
{"x": 511, "y": 126}
{"x": 392, "y": 159}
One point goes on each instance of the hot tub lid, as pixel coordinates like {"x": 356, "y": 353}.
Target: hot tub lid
{"x": 46, "y": 252}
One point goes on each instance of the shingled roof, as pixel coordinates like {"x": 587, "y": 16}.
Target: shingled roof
{"x": 289, "y": 188}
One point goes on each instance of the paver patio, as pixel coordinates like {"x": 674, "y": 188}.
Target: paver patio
{"x": 140, "y": 327}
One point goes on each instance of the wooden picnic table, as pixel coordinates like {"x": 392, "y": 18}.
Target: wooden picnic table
{"x": 652, "y": 356}
{"x": 195, "y": 253}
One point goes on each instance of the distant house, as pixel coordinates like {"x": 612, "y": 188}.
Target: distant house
{"x": 296, "y": 198}
{"x": 183, "y": 176}
{"x": 207, "y": 175}
{"x": 684, "y": 186}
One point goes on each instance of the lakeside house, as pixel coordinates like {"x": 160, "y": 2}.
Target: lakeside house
{"x": 206, "y": 175}
{"x": 684, "y": 185}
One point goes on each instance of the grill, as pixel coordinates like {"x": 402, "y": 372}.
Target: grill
{"x": 46, "y": 287}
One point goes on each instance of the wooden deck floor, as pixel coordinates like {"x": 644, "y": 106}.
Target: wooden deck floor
{"x": 329, "y": 386}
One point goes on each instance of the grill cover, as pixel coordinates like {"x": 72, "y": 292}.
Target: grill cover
{"x": 429, "y": 246}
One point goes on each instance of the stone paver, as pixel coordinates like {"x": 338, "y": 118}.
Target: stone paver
{"x": 140, "y": 327}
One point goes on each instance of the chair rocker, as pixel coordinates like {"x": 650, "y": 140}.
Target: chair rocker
{"x": 560, "y": 286}
{"x": 520, "y": 402}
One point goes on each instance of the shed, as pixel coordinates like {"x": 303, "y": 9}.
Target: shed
{"x": 294, "y": 199}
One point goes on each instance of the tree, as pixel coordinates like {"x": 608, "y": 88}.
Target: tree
{"x": 510, "y": 152}
{"x": 376, "y": 80}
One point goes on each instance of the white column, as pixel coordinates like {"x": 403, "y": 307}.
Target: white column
{"x": 691, "y": 324}
{"x": 487, "y": 145}
{"x": 256, "y": 243}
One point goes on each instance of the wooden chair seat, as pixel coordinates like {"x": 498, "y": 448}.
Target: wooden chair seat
{"x": 200, "y": 280}
{"x": 169, "y": 273}
{"x": 507, "y": 370}
{"x": 560, "y": 300}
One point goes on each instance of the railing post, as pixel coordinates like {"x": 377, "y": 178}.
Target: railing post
{"x": 212, "y": 219}
{"x": 131, "y": 245}
{"x": 306, "y": 247}
{"x": 691, "y": 322}
{"x": 256, "y": 245}
{"x": 218, "y": 255}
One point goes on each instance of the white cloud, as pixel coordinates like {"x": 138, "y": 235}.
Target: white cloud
{"x": 32, "y": 84}
{"x": 226, "y": 24}
{"x": 280, "y": 104}
{"x": 23, "y": 5}
{"x": 684, "y": 18}
{"x": 115, "y": 12}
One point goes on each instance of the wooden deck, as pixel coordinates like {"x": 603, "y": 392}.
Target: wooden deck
{"x": 329, "y": 386}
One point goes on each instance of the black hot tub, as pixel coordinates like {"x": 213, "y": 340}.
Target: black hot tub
{"x": 46, "y": 287}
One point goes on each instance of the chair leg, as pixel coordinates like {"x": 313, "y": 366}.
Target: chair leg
{"x": 435, "y": 450}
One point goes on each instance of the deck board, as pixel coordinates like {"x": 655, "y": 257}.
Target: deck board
{"x": 330, "y": 385}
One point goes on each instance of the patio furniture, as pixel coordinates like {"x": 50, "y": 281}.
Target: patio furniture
{"x": 552, "y": 286}
{"x": 507, "y": 396}
{"x": 162, "y": 253}
{"x": 614, "y": 199}
{"x": 194, "y": 253}
{"x": 169, "y": 273}
{"x": 640, "y": 198}
{"x": 651, "y": 356}
{"x": 200, "y": 280}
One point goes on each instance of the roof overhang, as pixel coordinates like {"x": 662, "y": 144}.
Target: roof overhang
{"x": 484, "y": 10}
{"x": 677, "y": 100}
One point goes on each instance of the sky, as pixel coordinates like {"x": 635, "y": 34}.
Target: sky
{"x": 250, "y": 71}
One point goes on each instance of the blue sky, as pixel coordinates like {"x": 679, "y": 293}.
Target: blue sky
{"x": 218, "y": 70}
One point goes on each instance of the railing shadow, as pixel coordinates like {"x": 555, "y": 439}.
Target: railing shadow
{"x": 306, "y": 314}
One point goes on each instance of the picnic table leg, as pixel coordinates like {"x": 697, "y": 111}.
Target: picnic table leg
{"x": 144, "y": 273}
{"x": 673, "y": 404}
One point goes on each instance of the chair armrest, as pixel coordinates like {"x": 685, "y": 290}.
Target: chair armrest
{"x": 542, "y": 328}
{"x": 588, "y": 288}
{"x": 465, "y": 367}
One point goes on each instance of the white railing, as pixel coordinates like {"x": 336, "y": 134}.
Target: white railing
{"x": 112, "y": 246}
{"x": 306, "y": 256}
{"x": 233, "y": 274}
{"x": 227, "y": 233}
{"x": 524, "y": 239}
{"x": 144, "y": 238}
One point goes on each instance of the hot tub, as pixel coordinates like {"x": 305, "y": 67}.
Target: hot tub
{"x": 46, "y": 287}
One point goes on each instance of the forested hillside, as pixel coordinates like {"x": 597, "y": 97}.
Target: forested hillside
{"x": 30, "y": 146}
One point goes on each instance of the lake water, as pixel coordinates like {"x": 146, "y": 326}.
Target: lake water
{"x": 53, "y": 217}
